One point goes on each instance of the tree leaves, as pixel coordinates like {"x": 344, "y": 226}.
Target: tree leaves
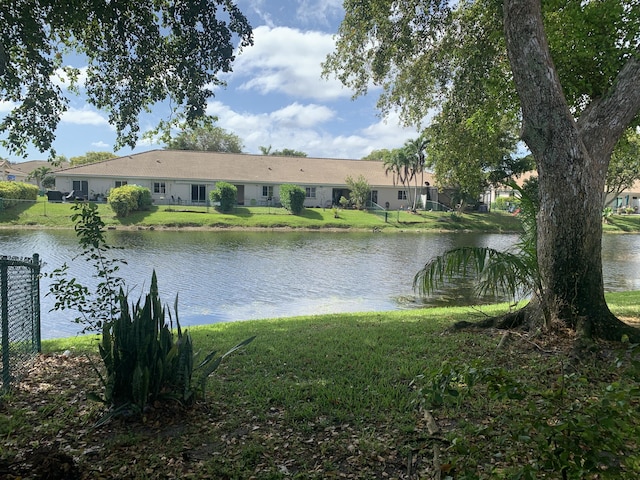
{"x": 138, "y": 53}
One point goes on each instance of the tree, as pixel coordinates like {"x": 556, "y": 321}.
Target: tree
{"x": 207, "y": 138}
{"x": 91, "y": 157}
{"x": 407, "y": 165}
{"x": 624, "y": 167}
{"x": 40, "y": 175}
{"x": 398, "y": 165}
{"x": 138, "y": 54}
{"x": 285, "y": 152}
{"x": 462, "y": 56}
{"x": 416, "y": 153}
{"x": 378, "y": 155}
{"x": 471, "y": 154}
{"x": 360, "y": 191}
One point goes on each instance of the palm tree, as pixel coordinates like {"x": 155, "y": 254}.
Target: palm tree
{"x": 39, "y": 174}
{"x": 416, "y": 153}
{"x": 399, "y": 165}
{"x": 513, "y": 272}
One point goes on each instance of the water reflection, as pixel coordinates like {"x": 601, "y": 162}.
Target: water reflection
{"x": 228, "y": 276}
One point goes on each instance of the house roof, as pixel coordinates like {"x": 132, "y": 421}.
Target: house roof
{"x": 31, "y": 165}
{"x": 235, "y": 168}
{"x": 9, "y": 169}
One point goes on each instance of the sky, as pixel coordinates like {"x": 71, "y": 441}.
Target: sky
{"x": 275, "y": 95}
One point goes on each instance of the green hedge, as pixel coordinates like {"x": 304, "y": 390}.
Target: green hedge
{"x": 503, "y": 203}
{"x": 129, "y": 198}
{"x": 292, "y": 198}
{"x": 12, "y": 192}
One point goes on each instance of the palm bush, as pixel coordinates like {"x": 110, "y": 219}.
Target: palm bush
{"x": 145, "y": 361}
{"x": 513, "y": 272}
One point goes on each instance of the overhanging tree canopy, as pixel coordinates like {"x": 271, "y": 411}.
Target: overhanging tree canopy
{"x": 568, "y": 71}
{"x": 138, "y": 53}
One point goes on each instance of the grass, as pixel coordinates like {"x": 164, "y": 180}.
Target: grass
{"x": 347, "y": 396}
{"x": 42, "y": 213}
{"x": 57, "y": 215}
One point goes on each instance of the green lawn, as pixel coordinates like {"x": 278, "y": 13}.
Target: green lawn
{"x": 57, "y": 215}
{"x": 347, "y": 395}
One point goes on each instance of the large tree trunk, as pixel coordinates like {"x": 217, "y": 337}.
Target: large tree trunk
{"x": 572, "y": 159}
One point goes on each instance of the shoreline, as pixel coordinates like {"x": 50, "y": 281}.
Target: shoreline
{"x": 236, "y": 228}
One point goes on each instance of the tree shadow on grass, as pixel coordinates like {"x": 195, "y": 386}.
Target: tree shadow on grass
{"x": 13, "y": 213}
{"x": 311, "y": 214}
{"x": 138, "y": 216}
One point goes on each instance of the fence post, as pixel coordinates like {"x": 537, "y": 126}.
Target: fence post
{"x": 35, "y": 299}
{"x": 4, "y": 313}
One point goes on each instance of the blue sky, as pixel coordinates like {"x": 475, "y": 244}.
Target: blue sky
{"x": 275, "y": 95}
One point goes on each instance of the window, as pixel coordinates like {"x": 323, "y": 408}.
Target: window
{"x": 80, "y": 188}
{"x": 374, "y": 196}
{"x": 311, "y": 192}
{"x": 198, "y": 193}
{"x": 120, "y": 183}
{"x": 159, "y": 187}
{"x": 402, "y": 194}
{"x": 267, "y": 191}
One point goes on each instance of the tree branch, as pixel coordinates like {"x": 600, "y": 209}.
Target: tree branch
{"x": 3, "y": 60}
{"x": 602, "y": 124}
{"x": 544, "y": 107}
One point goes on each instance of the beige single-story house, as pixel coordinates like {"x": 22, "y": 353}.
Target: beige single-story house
{"x": 187, "y": 177}
{"x": 9, "y": 172}
{"x": 628, "y": 198}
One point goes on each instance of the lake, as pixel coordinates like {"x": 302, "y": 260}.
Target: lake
{"x": 223, "y": 276}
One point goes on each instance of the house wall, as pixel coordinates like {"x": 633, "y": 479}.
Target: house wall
{"x": 250, "y": 193}
{"x": 624, "y": 199}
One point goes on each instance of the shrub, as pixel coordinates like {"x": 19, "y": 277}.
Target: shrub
{"x": 225, "y": 194}
{"x": 95, "y": 308}
{"x": 144, "y": 197}
{"x": 359, "y": 191}
{"x": 128, "y": 198}
{"x": 292, "y": 198}
{"x": 12, "y": 192}
{"x": 503, "y": 203}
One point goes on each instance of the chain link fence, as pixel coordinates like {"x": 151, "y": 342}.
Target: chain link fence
{"x": 19, "y": 315}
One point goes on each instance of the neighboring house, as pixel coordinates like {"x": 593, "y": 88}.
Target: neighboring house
{"x": 25, "y": 168}
{"x": 9, "y": 172}
{"x": 187, "y": 177}
{"x": 629, "y": 198}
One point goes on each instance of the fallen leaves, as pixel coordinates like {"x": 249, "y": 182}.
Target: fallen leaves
{"x": 53, "y": 427}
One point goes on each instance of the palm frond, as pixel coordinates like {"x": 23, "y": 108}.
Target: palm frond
{"x": 513, "y": 273}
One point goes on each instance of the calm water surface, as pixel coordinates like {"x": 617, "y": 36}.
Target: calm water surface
{"x": 230, "y": 276}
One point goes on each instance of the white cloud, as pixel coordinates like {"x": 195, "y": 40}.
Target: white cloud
{"x": 100, "y": 144}
{"x": 283, "y": 128}
{"x": 319, "y": 11}
{"x": 302, "y": 116}
{"x": 83, "y": 116}
{"x": 6, "y": 107}
{"x": 287, "y": 60}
